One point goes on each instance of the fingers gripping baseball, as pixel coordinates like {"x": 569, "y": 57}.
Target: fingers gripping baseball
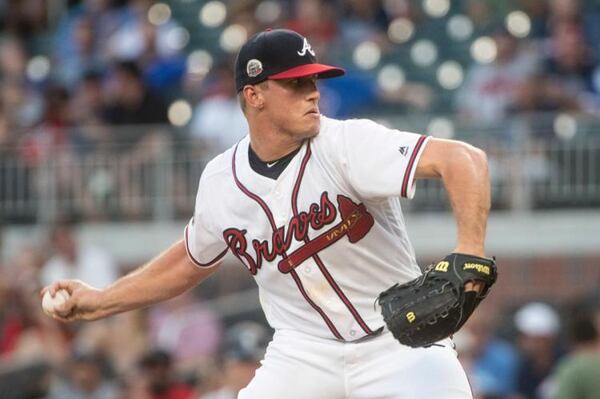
{"x": 76, "y": 301}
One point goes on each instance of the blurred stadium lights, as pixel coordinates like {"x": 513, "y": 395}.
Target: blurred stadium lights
{"x": 199, "y": 63}
{"x": 518, "y": 24}
{"x": 268, "y": 12}
{"x": 233, "y": 37}
{"x": 401, "y": 30}
{"x": 450, "y": 75}
{"x": 213, "y": 14}
{"x": 441, "y": 128}
{"x": 436, "y": 8}
{"x": 565, "y": 126}
{"x": 159, "y": 14}
{"x": 180, "y": 113}
{"x": 38, "y": 68}
{"x": 177, "y": 38}
{"x": 367, "y": 55}
{"x": 483, "y": 50}
{"x": 391, "y": 78}
{"x": 424, "y": 52}
{"x": 459, "y": 27}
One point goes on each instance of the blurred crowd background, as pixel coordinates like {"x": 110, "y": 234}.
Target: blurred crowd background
{"x": 109, "y": 110}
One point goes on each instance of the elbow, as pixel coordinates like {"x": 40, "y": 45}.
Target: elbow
{"x": 478, "y": 158}
{"x": 463, "y": 155}
{"x": 471, "y": 161}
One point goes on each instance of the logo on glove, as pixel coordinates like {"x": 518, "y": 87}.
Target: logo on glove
{"x": 480, "y": 268}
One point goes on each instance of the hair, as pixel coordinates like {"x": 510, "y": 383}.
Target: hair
{"x": 581, "y": 329}
{"x": 264, "y": 84}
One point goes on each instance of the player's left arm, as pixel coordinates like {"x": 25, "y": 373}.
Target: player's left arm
{"x": 464, "y": 170}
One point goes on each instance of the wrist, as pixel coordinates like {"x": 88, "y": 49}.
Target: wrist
{"x": 470, "y": 250}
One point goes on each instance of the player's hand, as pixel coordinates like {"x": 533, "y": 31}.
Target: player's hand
{"x": 472, "y": 285}
{"x": 84, "y": 303}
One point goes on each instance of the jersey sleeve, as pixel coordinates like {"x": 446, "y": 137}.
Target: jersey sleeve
{"x": 203, "y": 242}
{"x": 381, "y": 162}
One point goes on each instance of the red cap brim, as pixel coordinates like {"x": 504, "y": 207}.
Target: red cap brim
{"x": 324, "y": 72}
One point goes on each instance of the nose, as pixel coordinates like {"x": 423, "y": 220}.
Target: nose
{"x": 313, "y": 92}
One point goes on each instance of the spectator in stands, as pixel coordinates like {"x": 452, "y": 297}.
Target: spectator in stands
{"x": 27, "y": 336}
{"x": 578, "y": 375}
{"x": 23, "y": 104}
{"x": 490, "y": 361}
{"x": 173, "y": 326}
{"x": 538, "y": 326}
{"x": 315, "y": 19}
{"x": 154, "y": 48}
{"x": 141, "y": 135}
{"x": 244, "y": 347}
{"x": 570, "y": 70}
{"x": 490, "y": 91}
{"x": 363, "y": 20}
{"x": 25, "y": 17}
{"x": 85, "y": 379}
{"x": 105, "y": 338}
{"x": 159, "y": 380}
{"x": 208, "y": 126}
{"x": 76, "y": 260}
{"x": 106, "y": 19}
{"x": 573, "y": 12}
{"x": 71, "y": 67}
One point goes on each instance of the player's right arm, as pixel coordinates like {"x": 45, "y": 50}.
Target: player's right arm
{"x": 164, "y": 277}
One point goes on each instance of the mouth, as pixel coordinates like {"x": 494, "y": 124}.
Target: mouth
{"x": 313, "y": 112}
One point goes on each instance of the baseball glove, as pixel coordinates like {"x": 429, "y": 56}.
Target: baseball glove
{"x": 435, "y": 305}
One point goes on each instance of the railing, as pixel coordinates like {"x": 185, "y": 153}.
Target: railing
{"x": 157, "y": 177}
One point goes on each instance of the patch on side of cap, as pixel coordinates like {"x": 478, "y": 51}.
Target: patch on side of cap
{"x": 254, "y": 68}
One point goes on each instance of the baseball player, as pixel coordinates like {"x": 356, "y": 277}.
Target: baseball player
{"x": 311, "y": 207}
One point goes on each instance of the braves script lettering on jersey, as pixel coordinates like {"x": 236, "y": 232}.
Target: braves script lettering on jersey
{"x": 325, "y": 237}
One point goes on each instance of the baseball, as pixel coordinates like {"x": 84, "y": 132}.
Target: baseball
{"x": 50, "y": 303}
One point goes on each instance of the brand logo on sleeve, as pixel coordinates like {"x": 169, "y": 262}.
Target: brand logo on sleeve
{"x": 403, "y": 150}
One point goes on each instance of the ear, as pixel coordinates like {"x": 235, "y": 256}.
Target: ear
{"x": 254, "y": 96}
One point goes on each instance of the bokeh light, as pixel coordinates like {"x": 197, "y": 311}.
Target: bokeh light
{"x": 159, "y": 14}
{"x": 213, "y": 14}
{"x": 177, "y": 38}
{"x": 483, "y": 50}
{"x": 391, "y": 78}
{"x": 450, "y": 75}
{"x": 180, "y": 113}
{"x": 565, "y": 126}
{"x": 268, "y": 12}
{"x": 401, "y": 30}
{"x": 233, "y": 37}
{"x": 367, "y": 55}
{"x": 436, "y": 8}
{"x": 459, "y": 27}
{"x": 199, "y": 63}
{"x": 518, "y": 24}
{"x": 424, "y": 52}
{"x": 38, "y": 68}
{"x": 441, "y": 127}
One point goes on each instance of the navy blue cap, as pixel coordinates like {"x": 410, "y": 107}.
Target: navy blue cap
{"x": 278, "y": 54}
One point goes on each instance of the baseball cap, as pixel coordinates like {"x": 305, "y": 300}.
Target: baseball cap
{"x": 246, "y": 342}
{"x": 278, "y": 54}
{"x": 537, "y": 319}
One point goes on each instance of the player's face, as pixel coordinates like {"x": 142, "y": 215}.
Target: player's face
{"x": 293, "y": 106}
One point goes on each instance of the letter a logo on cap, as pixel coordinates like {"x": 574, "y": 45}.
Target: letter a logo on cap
{"x": 306, "y": 47}
{"x": 254, "y": 68}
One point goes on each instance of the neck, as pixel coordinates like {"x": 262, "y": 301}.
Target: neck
{"x": 270, "y": 144}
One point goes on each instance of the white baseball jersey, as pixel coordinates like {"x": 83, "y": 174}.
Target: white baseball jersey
{"x": 324, "y": 238}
